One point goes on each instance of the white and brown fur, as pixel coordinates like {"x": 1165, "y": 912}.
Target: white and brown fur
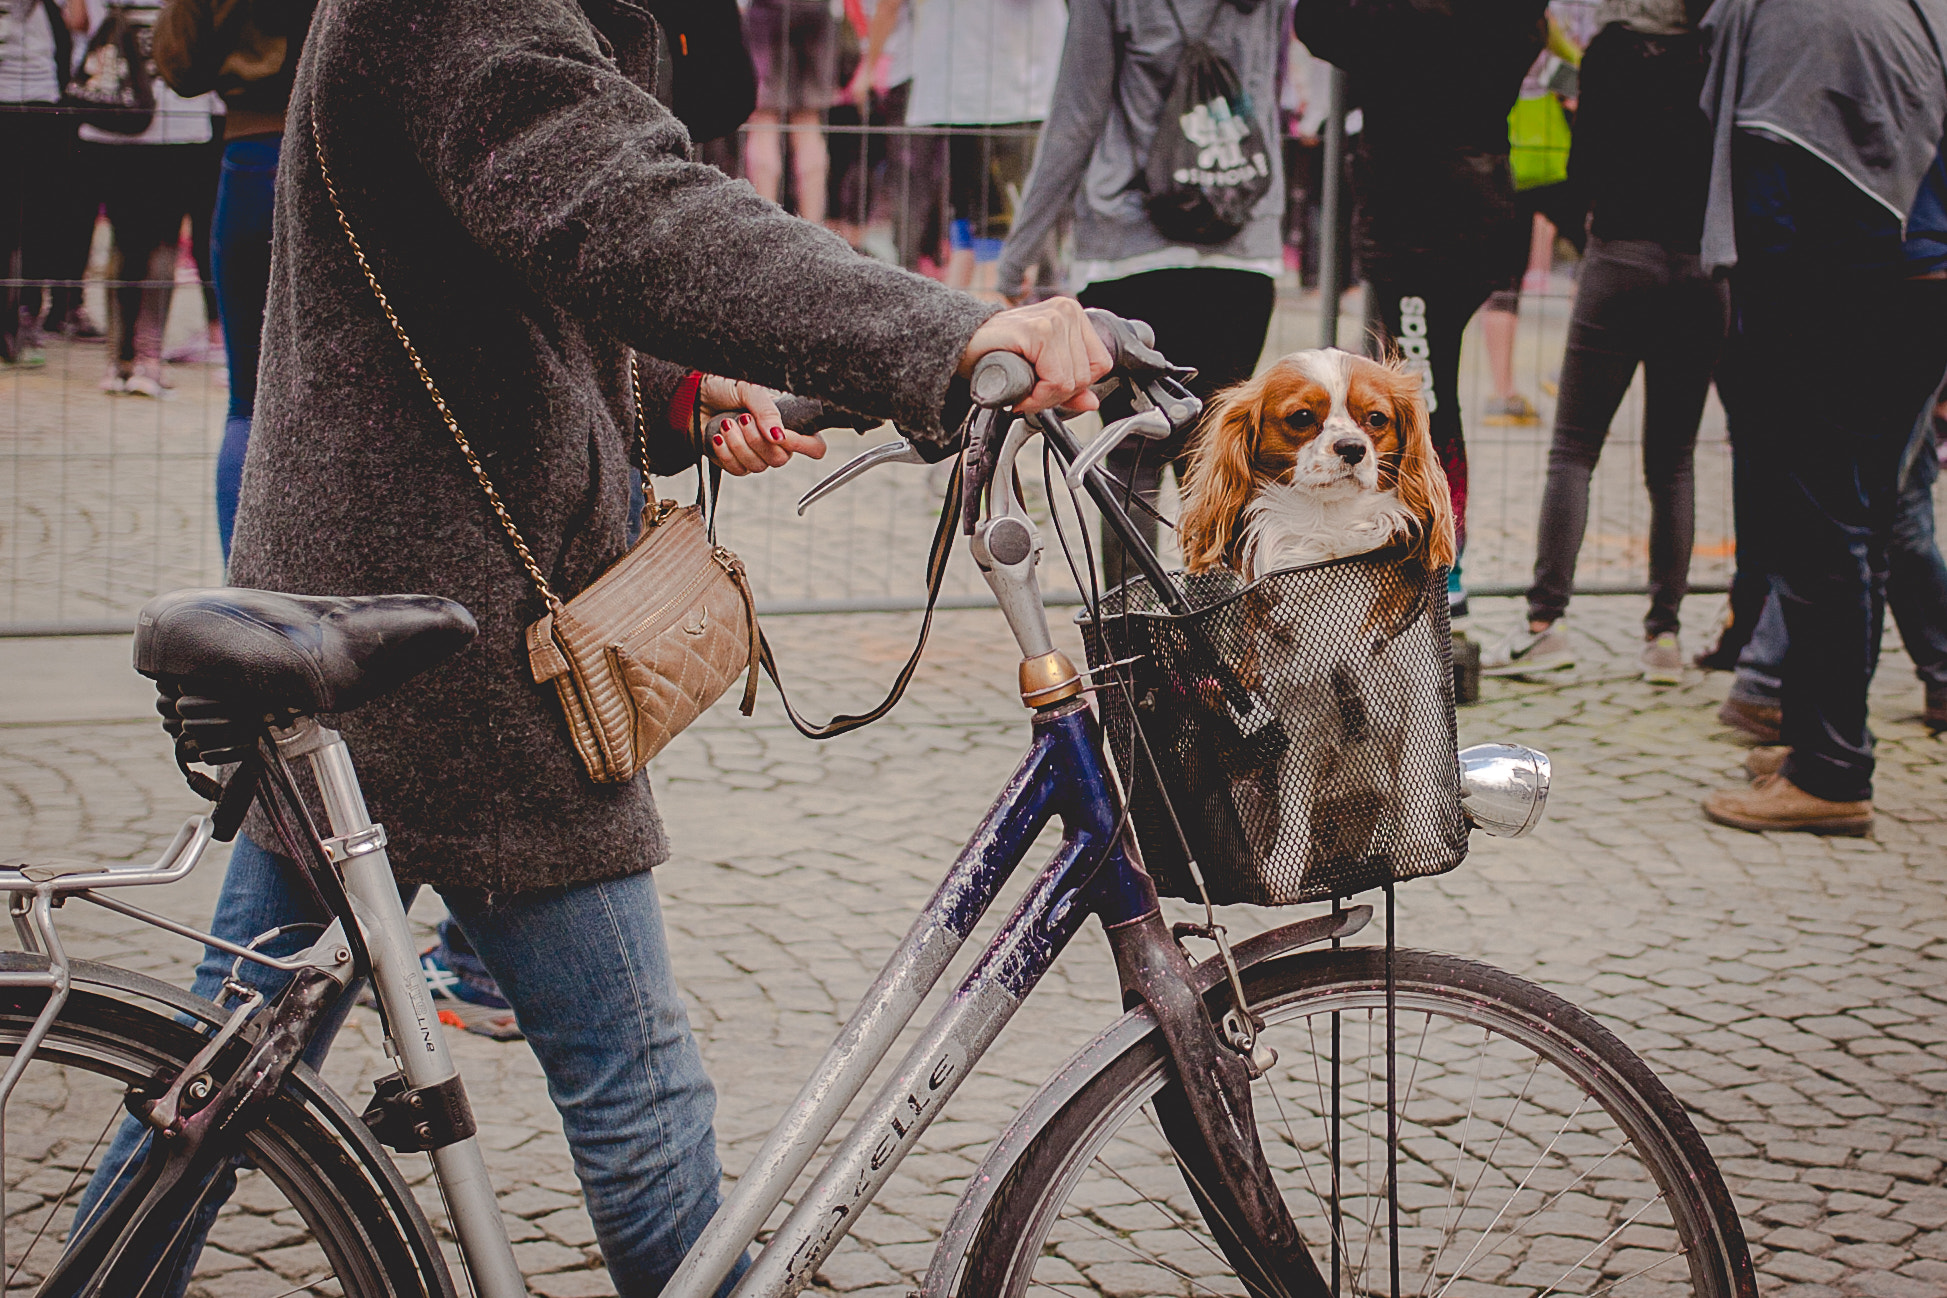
{"x": 1322, "y": 456}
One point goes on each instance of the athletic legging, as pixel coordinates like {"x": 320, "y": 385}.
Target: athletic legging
{"x": 1424, "y": 319}
{"x": 1637, "y": 302}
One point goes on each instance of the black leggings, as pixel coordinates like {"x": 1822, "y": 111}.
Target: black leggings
{"x": 1214, "y": 320}
{"x": 1423, "y": 319}
{"x": 1637, "y": 302}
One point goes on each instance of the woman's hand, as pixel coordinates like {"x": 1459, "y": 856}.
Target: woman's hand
{"x": 742, "y": 430}
{"x": 1054, "y": 337}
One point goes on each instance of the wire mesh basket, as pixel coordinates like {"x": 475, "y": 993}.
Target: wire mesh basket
{"x": 1303, "y": 725}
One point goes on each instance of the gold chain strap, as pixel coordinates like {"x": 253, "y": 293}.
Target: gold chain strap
{"x": 439, "y": 402}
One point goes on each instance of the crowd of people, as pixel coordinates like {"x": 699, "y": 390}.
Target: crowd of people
{"x": 1757, "y": 190}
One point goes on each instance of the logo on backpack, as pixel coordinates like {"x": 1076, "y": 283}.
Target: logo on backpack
{"x": 1208, "y": 165}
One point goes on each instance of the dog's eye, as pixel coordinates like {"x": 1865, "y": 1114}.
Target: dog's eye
{"x": 1377, "y": 421}
{"x": 1301, "y": 418}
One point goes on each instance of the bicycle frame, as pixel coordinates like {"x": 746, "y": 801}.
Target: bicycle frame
{"x": 1095, "y": 870}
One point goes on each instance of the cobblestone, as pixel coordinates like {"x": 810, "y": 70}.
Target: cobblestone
{"x": 1789, "y": 989}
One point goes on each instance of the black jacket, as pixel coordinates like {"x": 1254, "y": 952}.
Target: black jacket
{"x": 1435, "y": 80}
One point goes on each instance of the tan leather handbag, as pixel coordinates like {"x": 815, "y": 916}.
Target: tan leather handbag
{"x": 653, "y": 641}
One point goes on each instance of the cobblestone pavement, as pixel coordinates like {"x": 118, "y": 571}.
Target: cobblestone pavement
{"x": 1792, "y": 990}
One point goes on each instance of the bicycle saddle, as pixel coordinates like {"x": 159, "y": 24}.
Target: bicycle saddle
{"x": 299, "y": 654}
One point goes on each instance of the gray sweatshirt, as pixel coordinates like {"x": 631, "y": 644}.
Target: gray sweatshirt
{"x": 1116, "y": 69}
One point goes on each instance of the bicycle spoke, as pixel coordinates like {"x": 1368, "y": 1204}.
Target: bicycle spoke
{"x": 1460, "y": 1157}
{"x": 1601, "y": 1243}
{"x": 1149, "y": 1258}
{"x": 1174, "y": 1219}
{"x": 1365, "y": 1253}
{"x": 55, "y": 1207}
{"x": 1304, "y": 1165}
{"x": 1614, "y": 1284}
{"x": 1515, "y": 1194}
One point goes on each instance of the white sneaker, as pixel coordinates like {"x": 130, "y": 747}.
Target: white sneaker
{"x": 116, "y": 384}
{"x": 1662, "y": 659}
{"x": 1528, "y": 653}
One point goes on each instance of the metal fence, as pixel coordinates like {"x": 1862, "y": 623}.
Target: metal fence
{"x": 107, "y": 499}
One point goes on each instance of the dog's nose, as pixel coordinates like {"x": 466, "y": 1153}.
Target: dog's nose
{"x": 1349, "y": 449}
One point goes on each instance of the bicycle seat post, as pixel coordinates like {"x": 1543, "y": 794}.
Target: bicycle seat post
{"x": 415, "y": 1039}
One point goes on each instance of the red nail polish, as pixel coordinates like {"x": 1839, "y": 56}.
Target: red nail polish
{"x": 718, "y": 439}
{"x": 777, "y": 434}
{"x": 743, "y": 419}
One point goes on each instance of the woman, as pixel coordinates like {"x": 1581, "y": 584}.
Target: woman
{"x": 151, "y": 181}
{"x": 1210, "y": 304}
{"x": 533, "y": 216}
{"x": 1642, "y": 156}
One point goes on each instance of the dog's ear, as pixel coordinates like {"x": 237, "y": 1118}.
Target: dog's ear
{"x": 1221, "y": 480}
{"x": 1420, "y": 481}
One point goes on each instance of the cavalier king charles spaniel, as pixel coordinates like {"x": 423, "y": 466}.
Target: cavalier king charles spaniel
{"x": 1322, "y": 456}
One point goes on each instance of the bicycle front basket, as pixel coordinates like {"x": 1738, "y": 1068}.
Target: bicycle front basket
{"x": 1302, "y": 725}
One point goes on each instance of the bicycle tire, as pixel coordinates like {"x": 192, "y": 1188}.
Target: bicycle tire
{"x": 370, "y": 1240}
{"x": 1051, "y": 1226}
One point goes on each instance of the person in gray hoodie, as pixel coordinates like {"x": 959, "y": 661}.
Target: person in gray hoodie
{"x": 1210, "y": 304}
{"x": 534, "y": 218}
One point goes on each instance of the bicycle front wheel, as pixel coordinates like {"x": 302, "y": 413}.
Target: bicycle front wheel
{"x": 1537, "y": 1154}
{"x": 310, "y": 1211}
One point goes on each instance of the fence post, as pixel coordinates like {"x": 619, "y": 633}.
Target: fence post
{"x": 1331, "y": 284}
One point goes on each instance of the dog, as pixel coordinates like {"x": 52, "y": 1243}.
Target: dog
{"x": 1324, "y": 456}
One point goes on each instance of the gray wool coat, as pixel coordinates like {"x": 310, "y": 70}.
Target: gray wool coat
{"x": 532, "y": 214}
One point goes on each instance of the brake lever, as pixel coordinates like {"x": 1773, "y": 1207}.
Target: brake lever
{"x": 1152, "y": 424}
{"x": 898, "y": 451}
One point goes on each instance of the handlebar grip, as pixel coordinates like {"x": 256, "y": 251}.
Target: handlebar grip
{"x": 1001, "y": 379}
{"x": 800, "y": 414}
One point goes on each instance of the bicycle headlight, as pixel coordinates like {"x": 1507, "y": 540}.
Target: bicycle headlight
{"x": 1503, "y": 788}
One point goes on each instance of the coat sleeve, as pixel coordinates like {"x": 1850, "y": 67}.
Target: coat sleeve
{"x": 1084, "y": 93}
{"x": 565, "y": 171}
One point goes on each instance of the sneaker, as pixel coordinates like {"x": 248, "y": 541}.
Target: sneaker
{"x": 1726, "y": 642}
{"x": 196, "y": 351}
{"x": 27, "y": 358}
{"x": 80, "y": 327}
{"x": 1528, "y": 653}
{"x": 1765, "y": 759}
{"x": 1511, "y": 412}
{"x": 142, "y": 384}
{"x": 1662, "y": 659}
{"x": 115, "y": 384}
{"x": 463, "y": 1005}
{"x": 1774, "y": 802}
{"x": 1759, "y": 720}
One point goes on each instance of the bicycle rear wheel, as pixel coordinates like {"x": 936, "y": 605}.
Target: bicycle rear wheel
{"x": 1537, "y": 1154}
{"x": 310, "y": 1214}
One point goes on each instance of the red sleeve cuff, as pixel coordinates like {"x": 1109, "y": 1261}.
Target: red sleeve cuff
{"x": 682, "y": 406}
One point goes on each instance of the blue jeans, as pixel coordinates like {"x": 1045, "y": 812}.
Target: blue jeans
{"x": 240, "y": 255}
{"x": 1916, "y": 591}
{"x": 587, "y": 971}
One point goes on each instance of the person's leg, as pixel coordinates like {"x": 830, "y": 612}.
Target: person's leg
{"x": 1606, "y": 340}
{"x": 1916, "y": 578}
{"x": 587, "y": 971}
{"x": 1683, "y": 345}
{"x": 1424, "y": 320}
{"x": 1841, "y": 459}
{"x": 240, "y": 257}
{"x": 261, "y": 893}
{"x": 763, "y": 159}
{"x": 810, "y": 163}
{"x": 201, "y": 179}
{"x": 1746, "y": 394}
{"x": 158, "y": 209}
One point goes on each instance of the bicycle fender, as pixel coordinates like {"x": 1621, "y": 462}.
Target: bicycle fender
{"x": 331, "y": 1107}
{"x": 1207, "y": 979}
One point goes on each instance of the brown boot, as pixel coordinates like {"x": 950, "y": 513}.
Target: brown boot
{"x": 1765, "y": 760}
{"x": 1774, "y": 802}
{"x": 1759, "y": 721}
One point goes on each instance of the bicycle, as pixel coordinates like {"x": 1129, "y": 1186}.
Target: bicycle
{"x": 1286, "y": 1116}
